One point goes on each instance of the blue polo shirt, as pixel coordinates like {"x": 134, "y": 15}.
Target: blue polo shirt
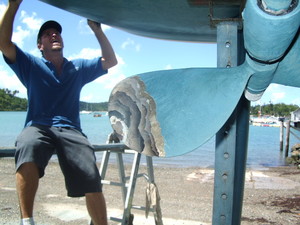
{"x": 53, "y": 100}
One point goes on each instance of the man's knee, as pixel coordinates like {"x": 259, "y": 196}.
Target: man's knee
{"x": 28, "y": 169}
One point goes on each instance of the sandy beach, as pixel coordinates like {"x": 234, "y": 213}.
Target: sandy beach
{"x": 271, "y": 196}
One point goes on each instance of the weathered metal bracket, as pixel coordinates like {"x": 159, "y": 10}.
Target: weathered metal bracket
{"x": 214, "y": 21}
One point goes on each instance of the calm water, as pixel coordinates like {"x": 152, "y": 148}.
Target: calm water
{"x": 263, "y": 150}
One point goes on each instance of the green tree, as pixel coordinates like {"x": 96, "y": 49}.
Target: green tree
{"x": 9, "y": 101}
{"x": 102, "y": 106}
{"x": 279, "y": 110}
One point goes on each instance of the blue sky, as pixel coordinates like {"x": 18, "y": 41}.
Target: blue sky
{"x": 135, "y": 54}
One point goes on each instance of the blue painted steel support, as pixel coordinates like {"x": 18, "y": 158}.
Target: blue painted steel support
{"x": 232, "y": 138}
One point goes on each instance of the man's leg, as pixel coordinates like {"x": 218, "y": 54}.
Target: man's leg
{"x": 33, "y": 150}
{"x": 78, "y": 163}
{"x": 27, "y": 180}
{"x": 96, "y": 206}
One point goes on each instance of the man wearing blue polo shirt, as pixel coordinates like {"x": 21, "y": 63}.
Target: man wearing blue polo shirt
{"x": 53, "y": 87}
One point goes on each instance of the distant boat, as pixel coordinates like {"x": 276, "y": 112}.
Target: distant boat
{"x": 97, "y": 115}
{"x": 265, "y": 121}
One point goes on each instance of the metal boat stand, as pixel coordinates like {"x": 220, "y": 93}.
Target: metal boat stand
{"x": 127, "y": 184}
{"x": 232, "y": 138}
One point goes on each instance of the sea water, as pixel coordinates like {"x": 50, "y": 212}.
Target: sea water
{"x": 263, "y": 147}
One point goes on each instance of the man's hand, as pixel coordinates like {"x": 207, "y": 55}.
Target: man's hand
{"x": 15, "y": 1}
{"x": 6, "y": 27}
{"x": 94, "y": 25}
{"x": 108, "y": 59}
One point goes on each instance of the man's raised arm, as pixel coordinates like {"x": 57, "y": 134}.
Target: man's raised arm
{"x": 108, "y": 55}
{"x": 6, "y": 29}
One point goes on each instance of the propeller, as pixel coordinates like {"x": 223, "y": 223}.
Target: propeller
{"x": 172, "y": 112}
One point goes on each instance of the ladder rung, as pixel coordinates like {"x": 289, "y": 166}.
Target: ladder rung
{"x": 115, "y": 219}
{"x": 110, "y": 147}
{"x": 138, "y": 207}
{"x": 107, "y": 182}
{"x": 114, "y": 183}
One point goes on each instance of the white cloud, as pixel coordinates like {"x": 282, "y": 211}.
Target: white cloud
{"x": 12, "y": 83}
{"x": 87, "y": 98}
{"x": 114, "y": 76}
{"x": 2, "y": 8}
{"x": 129, "y": 43}
{"x": 19, "y": 36}
{"x": 86, "y": 53}
{"x": 99, "y": 90}
{"x": 110, "y": 80}
{"x": 277, "y": 97}
{"x": 84, "y": 28}
{"x": 105, "y": 27}
{"x": 121, "y": 62}
{"x": 32, "y": 22}
{"x": 277, "y": 93}
{"x": 168, "y": 67}
{"x": 274, "y": 87}
{"x": 138, "y": 47}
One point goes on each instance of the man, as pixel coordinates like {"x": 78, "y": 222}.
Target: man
{"x": 53, "y": 86}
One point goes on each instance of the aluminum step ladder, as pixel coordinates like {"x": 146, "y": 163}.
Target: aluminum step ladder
{"x": 127, "y": 184}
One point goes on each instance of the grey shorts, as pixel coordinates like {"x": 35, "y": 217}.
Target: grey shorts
{"x": 75, "y": 155}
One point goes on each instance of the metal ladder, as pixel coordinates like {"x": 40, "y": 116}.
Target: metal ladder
{"x": 127, "y": 184}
